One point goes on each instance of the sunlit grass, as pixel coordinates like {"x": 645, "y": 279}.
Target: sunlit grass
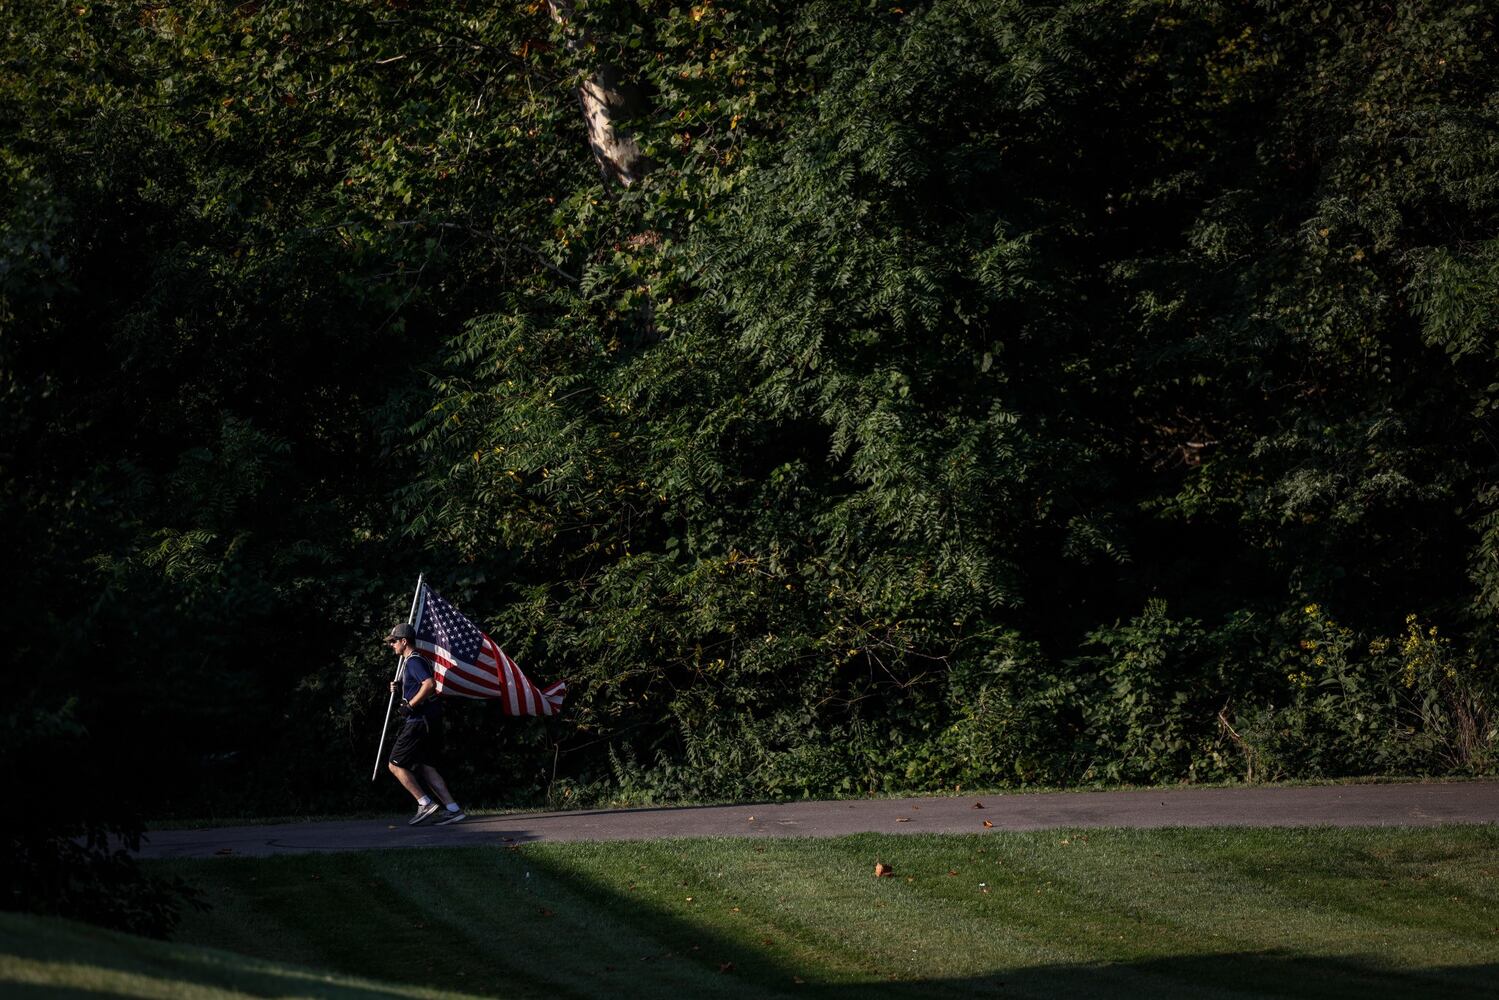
{"x": 1355, "y": 913}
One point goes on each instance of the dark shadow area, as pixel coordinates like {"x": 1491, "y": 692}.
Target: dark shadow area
{"x": 268, "y": 985}
{"x": 98, "y": 962}
{"x": 1226, "y": 975}
{"x": 516, "y": 925}
{"x": 1199, "y": 976}
{"x": 33, "y": 991}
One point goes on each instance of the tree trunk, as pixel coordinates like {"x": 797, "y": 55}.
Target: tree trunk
{"x": 607, "y": 99}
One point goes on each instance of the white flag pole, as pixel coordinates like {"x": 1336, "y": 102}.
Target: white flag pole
{"x": 400, "y": 664}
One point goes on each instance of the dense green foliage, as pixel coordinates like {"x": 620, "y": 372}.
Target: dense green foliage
{"x": 998, "y": 415}
{"x": 975, "y": 393}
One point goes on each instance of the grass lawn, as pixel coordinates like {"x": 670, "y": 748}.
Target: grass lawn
{"x": 1190, "y": 913}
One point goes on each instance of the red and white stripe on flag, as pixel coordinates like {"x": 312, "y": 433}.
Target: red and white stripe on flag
{"x": 495, "y": 675}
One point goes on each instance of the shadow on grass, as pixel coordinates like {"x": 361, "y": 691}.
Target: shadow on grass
{"x": 739, "y": 965}
{"x": 1206, "y": 976}
{"x": 47, "y": 958}
{"x": 513, "y": 924}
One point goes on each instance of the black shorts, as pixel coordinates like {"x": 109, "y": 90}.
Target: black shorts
{"x": 418, "y": 744}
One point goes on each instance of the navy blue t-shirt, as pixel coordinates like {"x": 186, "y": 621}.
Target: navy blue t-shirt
{"x": 418, "y": 670}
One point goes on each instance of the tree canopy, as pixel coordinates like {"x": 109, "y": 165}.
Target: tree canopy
{"x": 972, "y": 393}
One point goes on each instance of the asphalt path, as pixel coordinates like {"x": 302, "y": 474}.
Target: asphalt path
{"x": 1413, "y": 804}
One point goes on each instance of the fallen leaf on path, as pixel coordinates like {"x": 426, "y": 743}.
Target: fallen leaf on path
{"x": 224, "y": 850}
{"x": 978, "y": 805}
{"x": 987, "y": 825}
{"x": 881, "y": 869}
{"x": 902, "y": 819}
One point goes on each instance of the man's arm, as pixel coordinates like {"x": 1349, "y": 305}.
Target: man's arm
{"x": 421, "y": 693}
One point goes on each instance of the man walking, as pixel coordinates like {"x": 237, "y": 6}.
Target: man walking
{"x": 419, "y": 742}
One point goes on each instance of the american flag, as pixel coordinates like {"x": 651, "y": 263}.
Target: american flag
{"x": 468, "y": 664}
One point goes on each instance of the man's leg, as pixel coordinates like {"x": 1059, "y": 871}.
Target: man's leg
{"x": 434, "y": 781}
{"x": 408, "y": 781}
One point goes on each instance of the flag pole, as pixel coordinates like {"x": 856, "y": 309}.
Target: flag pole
{"x": 410, "y": 620}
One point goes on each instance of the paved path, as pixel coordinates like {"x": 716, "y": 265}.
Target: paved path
{"x": 1335, "y": 805}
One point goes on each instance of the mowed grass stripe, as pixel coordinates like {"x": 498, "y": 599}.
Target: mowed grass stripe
{"x": 786, "y": 892}
{"x": 1341, "y": 879}
{"x": 531, "y": 911}
{"x": 1218, "y": 889}
{"x": 417, "y": 918}
{"x": 706, "y": 905}
{"x": 1173, "y": 892}
{"x": 919, "y": 922}
{"x": 1422, "y": 886}
{"x": 1128, "y": 913}
{"x": 1213, "y": 891}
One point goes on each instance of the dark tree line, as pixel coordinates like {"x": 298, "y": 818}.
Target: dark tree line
{"x": 958, "y": 394}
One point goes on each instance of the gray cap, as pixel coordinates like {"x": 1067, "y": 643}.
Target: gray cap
{"x": 401, "y": 631}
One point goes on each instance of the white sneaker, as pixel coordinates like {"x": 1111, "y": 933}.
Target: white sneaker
{"x": 422, "y": 813}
